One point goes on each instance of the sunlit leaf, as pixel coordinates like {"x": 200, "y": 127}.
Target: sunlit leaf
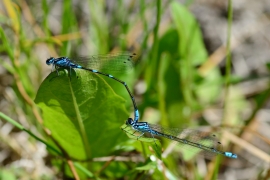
{"x": 83, "y": 114}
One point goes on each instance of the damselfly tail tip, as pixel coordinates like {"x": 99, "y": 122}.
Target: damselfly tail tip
{"x": 231, "y": 155}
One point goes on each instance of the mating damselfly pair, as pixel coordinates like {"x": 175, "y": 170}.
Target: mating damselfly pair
{"x": 124, "y": 61}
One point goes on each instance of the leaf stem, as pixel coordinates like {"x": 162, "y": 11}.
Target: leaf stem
{"x": 73, "y": 170}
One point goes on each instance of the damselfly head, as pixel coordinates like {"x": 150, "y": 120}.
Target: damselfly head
{"x": 50, "y": 60}
{"x": 130, "y": 121}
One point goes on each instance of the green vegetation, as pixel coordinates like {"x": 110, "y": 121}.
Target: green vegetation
{"x": 79, "y": 118}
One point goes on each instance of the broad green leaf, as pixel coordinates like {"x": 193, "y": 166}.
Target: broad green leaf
{"x": 169, "y": 42}
{"x": 191, "y": 46}
{"x": 83, "y": 114}
{"x": 170, "y": 96}
{"x": 192, "y": 53}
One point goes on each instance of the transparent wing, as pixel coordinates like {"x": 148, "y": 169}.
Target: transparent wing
{"x": 202, "y": 142}
{"x": 108, "y": 63}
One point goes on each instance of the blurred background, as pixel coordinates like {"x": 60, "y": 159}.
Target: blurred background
{"x": 196, "y": 67}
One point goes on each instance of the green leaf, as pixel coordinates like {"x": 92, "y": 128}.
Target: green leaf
{"x": 267, "y": 66}
{"x": 154, "y": 143}
{"x": 148, "y": 166}
{"x": 83, "y": 114}
{"x": 169, "y": 42}
{"x": 190, "y": 49}
{"x": 7, "y": 174}
{"x": 116, "y": 170}
{"x": 192, "y": 53}
{"x": 171, "y": 100}
{"x": 191, "y": 46}
{"x": 209, "y": 87}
